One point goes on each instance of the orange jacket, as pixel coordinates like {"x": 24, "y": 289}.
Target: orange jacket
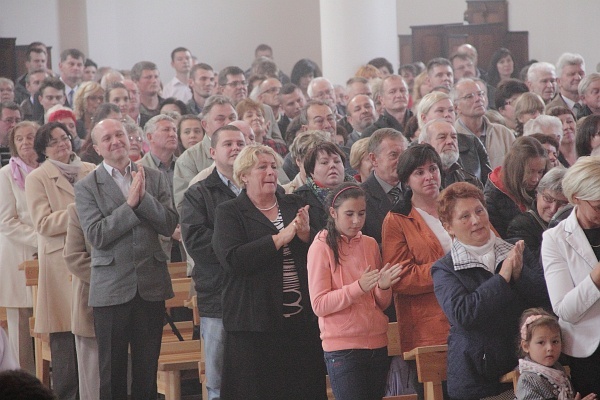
{"x": 408, "y": 240}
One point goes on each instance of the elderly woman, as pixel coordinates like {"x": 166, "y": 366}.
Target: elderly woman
{"x": 324, "y": 168}
{"x": 18, "y": 241}
{"x": 298, "y": 150}
{"x": 550, "y": 143}
{"x": 261, "y": 239}
{"x": 49, "y": 190}
{"x": 510, "y": 189}
{"x": 483, "y": 285}
{"x": 88, "y": 97}
{"x": 570, "y": 253}
{"x": 189, "y": 131}
{"x": 549, "y": 197}
{"x": 587, "y": 138}
{"x": 136, "y": 140}
{"x": 413, "y": 236}
{"x": 567, "y": 153}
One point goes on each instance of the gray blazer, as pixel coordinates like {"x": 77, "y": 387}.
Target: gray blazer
{"x": 126, "y": 251}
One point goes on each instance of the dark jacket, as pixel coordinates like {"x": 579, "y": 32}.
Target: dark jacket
{"x": 456, "y": 173}
{"x": 197, "y": 227}
{"x": 317, "y": 212}
{"x": 528, "y": 226}
{"x": 484, "y": 311}
{"x": 387, "y": 121}
{"x": 473, "y": 156}
{"x": 253, "y": 289}
{"x": 500, "y": 206}
{"x": 378, "y": 205}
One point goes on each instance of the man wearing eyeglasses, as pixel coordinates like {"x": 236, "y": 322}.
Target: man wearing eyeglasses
{"x": 268, "y": 94}
{"x": 470, "y": 103}
{"x": 232, "y": 84}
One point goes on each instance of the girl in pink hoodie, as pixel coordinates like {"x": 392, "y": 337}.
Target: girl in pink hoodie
{"x": 349, "y": 291}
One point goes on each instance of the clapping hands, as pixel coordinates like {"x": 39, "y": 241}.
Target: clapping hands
{"x": 384, "y": 278}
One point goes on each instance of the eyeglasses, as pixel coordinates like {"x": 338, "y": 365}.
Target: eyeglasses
{"x": 62, "y": 139}
{"x": 594, "y": 207}
{"x": 135, "y": 139}
{"x": 551, "y": 200}
{"x": 471, "y": 96}
{"x": 11, "y": 120}
{"x": 235, "y": 84}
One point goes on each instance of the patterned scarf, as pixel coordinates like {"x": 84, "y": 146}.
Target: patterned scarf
{"x": 320, "y": 191}
{"x": 71, "y": 170}
{"x": 555, "y": 376}
{"x": 19, "y": 171}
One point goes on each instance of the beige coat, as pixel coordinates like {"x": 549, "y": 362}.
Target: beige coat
{"x": 48, "y": 194}
{"x": 18, "y": 242}
{"x": 77, "y": 256}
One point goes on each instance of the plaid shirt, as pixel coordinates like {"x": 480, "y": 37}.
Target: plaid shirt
{"x": 463, "y": 259}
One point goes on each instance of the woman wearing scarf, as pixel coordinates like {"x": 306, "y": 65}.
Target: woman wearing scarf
{"x": 324, "y": 167}
{"x": 18, "y": 241}
{"x": 49, "y": 190}
{"x": 483, "y": 285}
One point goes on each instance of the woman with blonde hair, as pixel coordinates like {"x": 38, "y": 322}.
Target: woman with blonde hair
{"x": 420, "y": 89}
{"x": 87, "y": 99}
{"x": 359, "y": 159}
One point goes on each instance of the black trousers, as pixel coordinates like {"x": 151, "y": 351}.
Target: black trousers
{"x": 275, "y": 365}
{"x": 137, "y": 324}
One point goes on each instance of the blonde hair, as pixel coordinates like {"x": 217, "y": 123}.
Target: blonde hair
{"x": 248, "y": 158}
{"x": 83, "y": 92}
{"x": 368, "y": 72}
{"x": 581, "y": 179}
{"x": 427, "y": 102}
{"x": 358, "y": 151}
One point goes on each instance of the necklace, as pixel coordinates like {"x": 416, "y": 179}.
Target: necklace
{"x": 269, "y": 208}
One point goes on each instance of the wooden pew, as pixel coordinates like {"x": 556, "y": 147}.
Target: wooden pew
{"x": 3, "y": 321}
{"x": 41, "y": 341}
{"x": 431, "y": 368}
{"x": 177, "y": 269}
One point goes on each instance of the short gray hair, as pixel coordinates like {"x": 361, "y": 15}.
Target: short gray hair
{"x": 552, "y": 180}
{"x": 150, "y": 126}
{"x": 385, "y": 133}
{"x": 313, "y": 82}
{"x": 427, "y": 102}
{"x": 537, "y": 67}
{"x": 217, "y": 99}
{"x": 568, "y": 59}
{"x": 539, "y": 124}
{"x": 425, "y": 135}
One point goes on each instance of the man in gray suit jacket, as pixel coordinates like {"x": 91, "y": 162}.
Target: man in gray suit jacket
{"x": 123, "y": 209}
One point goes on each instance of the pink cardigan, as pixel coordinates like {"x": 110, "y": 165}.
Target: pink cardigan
{"x": 348, "y": 317}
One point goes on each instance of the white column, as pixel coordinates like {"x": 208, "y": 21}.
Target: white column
{"x": 354, "y": 32}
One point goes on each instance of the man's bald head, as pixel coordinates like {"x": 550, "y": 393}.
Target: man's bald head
{"x": 246, "y": 130}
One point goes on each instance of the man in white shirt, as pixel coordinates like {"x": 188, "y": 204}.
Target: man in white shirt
{"x": 181, "y": 61}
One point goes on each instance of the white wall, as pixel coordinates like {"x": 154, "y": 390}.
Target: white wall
{"x": 555, "y": 26}
{"x": 218, "y": 32}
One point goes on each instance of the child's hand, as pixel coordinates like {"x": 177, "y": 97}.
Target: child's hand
{"x": 369, "y": 279}
{"x": 388, "y": 276}
{"x": 591, "y": 396}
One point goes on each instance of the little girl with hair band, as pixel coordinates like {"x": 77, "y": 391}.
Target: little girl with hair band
{"x": 349, "y": 290}
{"x": 542, "y": 376}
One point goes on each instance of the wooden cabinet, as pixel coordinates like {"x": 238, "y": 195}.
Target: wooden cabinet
{"x": 486, "y": 28}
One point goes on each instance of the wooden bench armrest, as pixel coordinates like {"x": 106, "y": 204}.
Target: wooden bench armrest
{"x": 412, "y": 355}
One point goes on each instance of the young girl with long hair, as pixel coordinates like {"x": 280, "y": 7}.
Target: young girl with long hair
{"x": 349, "y": 289}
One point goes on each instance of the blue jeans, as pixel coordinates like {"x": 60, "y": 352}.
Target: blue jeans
{"x": 213, "y": 334}
{"x": 358, "y": 374}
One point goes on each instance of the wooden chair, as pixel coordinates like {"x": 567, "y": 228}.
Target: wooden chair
{"x": 41, "y": 341}
{"x": 3, "y": 321}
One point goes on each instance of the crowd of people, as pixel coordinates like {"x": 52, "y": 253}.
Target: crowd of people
{"x": 462, "y": 203}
